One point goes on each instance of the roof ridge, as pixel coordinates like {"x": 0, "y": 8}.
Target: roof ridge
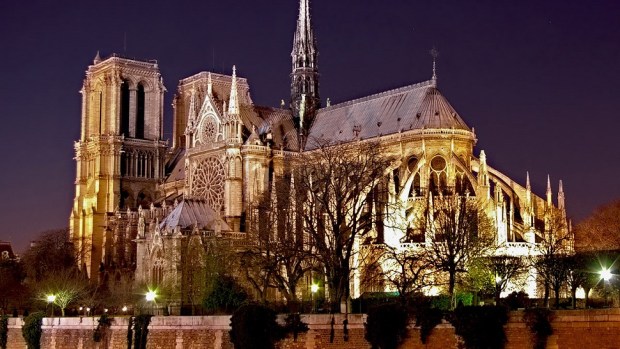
{"x": 379, "y": 94}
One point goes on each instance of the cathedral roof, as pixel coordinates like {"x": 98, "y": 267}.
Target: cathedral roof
{"x": 419, "y": 106}
{"x": 280, "y": 123}
{"x": 191, "y": 213}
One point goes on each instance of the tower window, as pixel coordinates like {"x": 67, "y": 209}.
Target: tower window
{"x": 125, "y": 108}
{"x": 140, "y": 112}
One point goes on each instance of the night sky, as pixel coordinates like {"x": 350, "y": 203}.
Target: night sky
{"x": 539, "y": 80}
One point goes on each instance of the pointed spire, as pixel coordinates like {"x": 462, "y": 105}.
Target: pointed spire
{"x": 528, "y": 186}
{"x": 549, "y": 192}
{"x": 209, "y": 86}
{"x": 434, "y": 53}
{"x": 233, "y": 105}
{"x": 305, "y": 74}
{"x": 97, "y": 58}
{"x": 561, "y": 198}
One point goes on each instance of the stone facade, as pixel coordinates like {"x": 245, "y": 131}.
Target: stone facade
{"x": 572, "y": 329}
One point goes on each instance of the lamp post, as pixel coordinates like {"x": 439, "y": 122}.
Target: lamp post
{"x": 313, "y": 289}
{"x": 150, "y": 298}
{"x": 606, "y": 276}
{"x": 50, "y": 300}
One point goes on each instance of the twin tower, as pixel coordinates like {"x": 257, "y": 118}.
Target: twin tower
{"x": 121, "y": 155}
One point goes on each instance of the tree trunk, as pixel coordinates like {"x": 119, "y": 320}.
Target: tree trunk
{"x": 546, "y": 296}
{"x": 451, "y": 284}
{"x": 573, "y": 294}
{"x": 556, "y": 292}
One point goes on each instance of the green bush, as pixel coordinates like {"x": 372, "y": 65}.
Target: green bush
{"x": 386, "y": 326}
{"x": 443, "y": 301}
{"x": 294, "y": 325}
{"x": 538, "y": 320}
{"x": 481, "y": 327}
{"x": 141, "y": 330}
{"x": 254, "y": 326}
{"x": 4, "y": 331}
{"x": 31, "y": 331}
{"x": 225, "y": 297}
{"x": 103, "y": 323}
{"x": 517, "y": 300}
{"x": 427, "y": 318}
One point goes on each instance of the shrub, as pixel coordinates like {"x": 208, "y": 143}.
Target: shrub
{"x": 294, "y": 325}
{"x": 386, "y": 326}
{"x": 427, "y": 318}
{"x": 104, "y": 323}
{"x": 481, "y": 327}
{"x": 141, "y": 330}
{"x": 517, "y": 300}
{"x": 538, "y": 320}
{"x": 254, "y": 326}
{"x": 225, "y": 297}
{"x": 31, "y": 331}
{"x": 443, "y": 302}
{"x": 4, "y": 331}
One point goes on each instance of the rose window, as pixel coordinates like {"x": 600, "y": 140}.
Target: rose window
{"x": 208, "y": 132}
{"x": 208, "y": 181}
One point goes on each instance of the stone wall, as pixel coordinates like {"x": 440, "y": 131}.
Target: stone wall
{"x": 572, "y": 329}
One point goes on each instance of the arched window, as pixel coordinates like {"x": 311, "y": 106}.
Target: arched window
{"x": 140, "y": 112}
{"x": 125, "y": 108}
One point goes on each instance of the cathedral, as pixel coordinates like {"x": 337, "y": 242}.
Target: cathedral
{"x": 142, "y": 201}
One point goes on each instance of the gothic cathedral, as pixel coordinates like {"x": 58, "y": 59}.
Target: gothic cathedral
{"x": 142, "y": 203}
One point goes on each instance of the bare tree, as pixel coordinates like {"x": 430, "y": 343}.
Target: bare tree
{"x": 66, "y": 286}
{"x": 505, "y": 269}
{"x": 334, "y": 181}
{"x": 458, "y": 231}
{"x": 554, "y": 245}
{"x": 280, "y": 257}
{"x": 407, "y": 270}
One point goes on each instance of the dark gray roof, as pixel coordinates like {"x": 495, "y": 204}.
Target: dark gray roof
{"x": 419, "y": 106}
{"x": 193, "y": 212}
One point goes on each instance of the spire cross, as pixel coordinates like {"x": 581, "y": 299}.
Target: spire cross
{"x": 434, "y": 53}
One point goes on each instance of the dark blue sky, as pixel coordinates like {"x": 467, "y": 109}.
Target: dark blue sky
{"x": 539, "y": 80}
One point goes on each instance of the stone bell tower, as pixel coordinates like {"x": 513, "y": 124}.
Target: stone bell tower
{"x": 120, "y": 155}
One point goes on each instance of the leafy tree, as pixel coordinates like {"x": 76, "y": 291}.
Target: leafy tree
{"x": 225, "y": 296}
{"x": 335, "y": 181}
{"x": 52, "y": 252}
{"x": 254, "y": 326}
{"x": 600, "y": 230}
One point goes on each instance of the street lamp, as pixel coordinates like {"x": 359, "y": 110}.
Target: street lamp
{"x": 606, "y": 276}
{"x": 313, "y": 289}
{"x": 50, "y": 300}
{"x": 150, "y": 298}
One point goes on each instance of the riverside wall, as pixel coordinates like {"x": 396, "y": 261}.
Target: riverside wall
{"x": 578, "y": 329}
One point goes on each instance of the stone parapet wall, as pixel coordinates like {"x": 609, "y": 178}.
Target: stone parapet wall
{"x": 579, "y": 329}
